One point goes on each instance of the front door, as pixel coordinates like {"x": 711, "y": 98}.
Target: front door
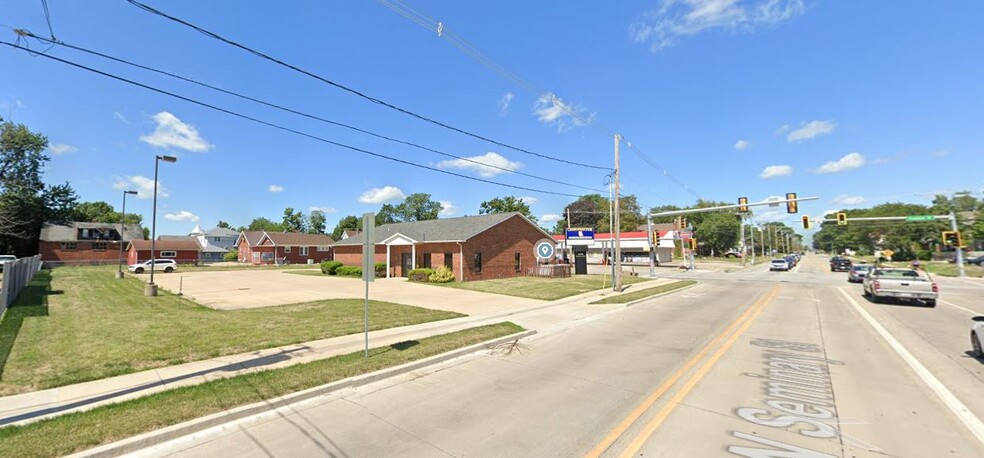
{"x": 406, "y": 260}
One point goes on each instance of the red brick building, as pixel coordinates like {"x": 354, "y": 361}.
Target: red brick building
{"x": 474, "y": 247}
{"x": 260, "y": 247}
{"x": 85, "y": 243}
{"x": 181, "y": 250}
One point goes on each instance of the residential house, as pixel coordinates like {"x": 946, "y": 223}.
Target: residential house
{"x": 215, "y": 242}
{"x": 84, "y": 243}
{"x": 479, "y": 247}
{"x": 245, "y": 243}
{"x": 183, "y": 250}
{"x": 284, "y": 247}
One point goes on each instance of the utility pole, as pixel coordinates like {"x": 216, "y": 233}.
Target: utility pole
{"x": 653, "y": 242}
{"x": 744, "y": 249}
{"x": 953, "y": 227}
{"x": 752, "y": 232}
{"x": 617, "y": 223}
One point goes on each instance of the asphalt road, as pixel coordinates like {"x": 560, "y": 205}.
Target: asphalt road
{"x": 752, "y": 363}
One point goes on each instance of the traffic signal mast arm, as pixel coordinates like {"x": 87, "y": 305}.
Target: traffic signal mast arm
{"x": 729, "y": 207}
{"x": 887, "y": 218}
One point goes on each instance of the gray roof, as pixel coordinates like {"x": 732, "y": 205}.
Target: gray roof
{"x": 438, "y": 230}
{"x": 221, "y": 232}
{"x": 215, "y": 249}
{"x": 68, "y": 232}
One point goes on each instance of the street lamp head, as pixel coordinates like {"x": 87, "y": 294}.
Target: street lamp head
{"x": 168, "y": 158}
{"x": 133, "y": 193}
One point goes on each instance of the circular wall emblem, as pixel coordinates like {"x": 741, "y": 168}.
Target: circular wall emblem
{"x": 545, "y": 249}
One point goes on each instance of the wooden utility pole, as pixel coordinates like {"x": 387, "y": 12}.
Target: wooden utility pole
{"x": 617, "y": 225}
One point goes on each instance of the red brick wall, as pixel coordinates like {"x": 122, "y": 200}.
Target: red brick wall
{"x": 499, "y": 246}
{"x": 351, "y": 255}
{"x": 183, "y": 256}
{"x": 51, "y": 251}
{"x": 295, "y": 257}
{"x": 245, "y": 253}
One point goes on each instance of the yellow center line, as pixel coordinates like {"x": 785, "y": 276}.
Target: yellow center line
{"x": 641, "y": 409}
{"x": 664, "y": 412}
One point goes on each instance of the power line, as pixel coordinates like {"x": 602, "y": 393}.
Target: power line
{"x": 300, "y": 113}
{"x": 459, "y": 42}
{"x": 47, "y": 17}
{"x": 280, "y": 127}
{"x": 354, "y": 91}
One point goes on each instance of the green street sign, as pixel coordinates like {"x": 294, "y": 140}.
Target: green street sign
{"x": 920, "y": 218}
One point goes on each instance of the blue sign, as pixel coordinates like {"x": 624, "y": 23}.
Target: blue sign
{"x": 545, "y": 249}
{"x": 580, "y": 234}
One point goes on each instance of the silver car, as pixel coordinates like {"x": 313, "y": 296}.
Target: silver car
{"x": 858, "y": 272}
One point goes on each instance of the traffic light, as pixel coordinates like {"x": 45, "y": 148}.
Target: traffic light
{"x": 791, "y": 207}
{"x": 654, "y": 238}
{"x": 842, "y": 219}
{"x": 683, "y": 222}
{"x": 743, "y": 205}
{"x": 952, "y": 239}
{"x": 693, "y": 244}
{"x": 806, "y": 222}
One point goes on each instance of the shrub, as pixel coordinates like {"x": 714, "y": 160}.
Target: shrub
{"x": 380, "y": 269}
{"x": 231, "y": 256}
{"x": 421, "y": 275}
{"x": 443, "y": 274}
{"x": 330, "y": 267}
{"x": 349, "y": 271}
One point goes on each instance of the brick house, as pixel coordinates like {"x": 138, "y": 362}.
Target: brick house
{"x": 474, "y": 247}
{"x": 184, "y": 250}
{"x": 84, "y": 243}
{"x": 261, "y": 247}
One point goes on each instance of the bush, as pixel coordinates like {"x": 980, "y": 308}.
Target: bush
{"x": 349, "y": 271}
{"x": 330, "y": 267}
{"x": 380, "y": 269}
{"x": 443, "y": 274}
{"x": 231, "y": 256}
{"x": 421, "y": 275}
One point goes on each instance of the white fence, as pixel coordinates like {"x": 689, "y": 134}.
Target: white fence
{"x": 16, "y": 275}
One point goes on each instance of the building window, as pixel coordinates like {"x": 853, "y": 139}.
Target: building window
{"x": 518, "y": 268}
{"x": 478, "y": 263}
{"x": 323, "y": 248}
{"x": 286, "y": 249}
{"x": 304, "y": 251}
{"x": 427, "y": 260}
{"x": 449, "y": 260}
{"x": 99, "y": 246}
{"x": 68, "y": 246}
{"x": 169, "y": 254}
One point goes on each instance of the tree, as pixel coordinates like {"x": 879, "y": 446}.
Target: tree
{"x": 223, "y": 225}
{"x": 718, "y": 231}
{"x": 263, "y": 224}
{"x": 293, "y": 221}
{"x": 418, "y": 207}
{"x": 506, "y": 205}
{"x": 592, "y": 210}
{"x": 316, "y": 222}
{"x": 101, "y": 212}
{"x": 387, "y": 214}
{"x": 348, "y": 223}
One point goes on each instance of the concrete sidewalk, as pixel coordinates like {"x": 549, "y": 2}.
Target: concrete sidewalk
{"x": 37, "y": 405}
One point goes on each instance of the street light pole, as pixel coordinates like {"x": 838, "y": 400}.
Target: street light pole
{"x": 119, "y": 270}
{"x": 151, "y": 288}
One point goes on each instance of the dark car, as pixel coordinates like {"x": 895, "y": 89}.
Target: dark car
{"x": 839, "y": 264}
{"x": 978, "y": 260}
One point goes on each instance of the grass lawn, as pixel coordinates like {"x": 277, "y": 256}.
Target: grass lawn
{"x": 82, "y": 430}
{"x": 74, "y": 324}
{"x": 944, "y": 268}
{"x": 549, "y": 289}
{"x": 244, "y": 266}
{"x": 643, "y": 293}
{"x": 312, "y": 273}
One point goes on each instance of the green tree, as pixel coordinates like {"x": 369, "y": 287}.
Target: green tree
{"x": 101, "y": 212}
{"x": 592, "y": 210}
{"x": 387, "y": 214}
{"x": 223, "y": 225}
{"x": 263, "y": 224}
{"x": 506, "y": 205}
{"x": 293, "y": 221}
{"x": 718, "y": 231}
{"x": 347, "y": 223}
{"x": 316, "y": 222}
{"x": 418, "y": 207}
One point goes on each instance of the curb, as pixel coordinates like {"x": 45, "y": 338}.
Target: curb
{"x": 162, "y": 435}
{"x": 629, "y": 304}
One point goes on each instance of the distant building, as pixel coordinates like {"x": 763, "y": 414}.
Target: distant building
{"x": 183, "y": 250}
{"x": 634, "y": 246}
{"x": 262, "y": 247}
{"x": 215, "y": 242}
{"x": 83, "y": 243}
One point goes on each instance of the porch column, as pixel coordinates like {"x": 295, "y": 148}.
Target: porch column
{"x": 387, "y": 259}
{"x": 413, "y": 256}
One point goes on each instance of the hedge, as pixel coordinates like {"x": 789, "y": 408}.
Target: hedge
{"x": 349, "y": 271}
{"x": 329, "y": 267}
{"x": 420, "y": 275}
{"x": 443, "y": 274}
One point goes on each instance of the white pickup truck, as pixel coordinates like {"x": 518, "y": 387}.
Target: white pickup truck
{"x": 903, "y": 284}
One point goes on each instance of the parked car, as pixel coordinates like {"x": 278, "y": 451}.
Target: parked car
{"x": 858, "y": 272}
{"x": 779, "y": 264}
{"x": 840, "y": 264}
{"x": 979, "y": 260}
{"x": 977, "y": 337}
{"x": 5, "y": 258}
{"x": 165, "y": 265}
{"x": 901, "y": 284}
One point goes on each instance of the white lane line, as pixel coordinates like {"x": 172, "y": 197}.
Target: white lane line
{"x": 958, "y": 408}
{"x": 951, "y": 304}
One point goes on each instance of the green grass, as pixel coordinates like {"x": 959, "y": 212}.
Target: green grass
{"x": 944, "y": 268}
{"x": 82, "y": 430}
{"x": 313, "y": 273}
{"x": 242, "y": 266}
{"x": 75, "y": 324}
{"x": 549, "y": 289}
{"x": 644, "y": 293}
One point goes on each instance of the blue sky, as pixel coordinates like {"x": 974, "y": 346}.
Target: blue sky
{"x": 855, "y": 102}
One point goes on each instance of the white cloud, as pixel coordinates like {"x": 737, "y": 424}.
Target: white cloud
{"x": 182, "y": 215}
{"x": 812, "y": 129}
{"x": 664, "y": 26}
{"x": 323, "y": 209}
{"x": 551, "y": 110}
{"x": 61, "y": 148}
{"x": 551, "y": 217}
{"x": 447, "y": 209}
{"x": 528, "y": 200}
{"x": 382, "y": 195}
{"x": 143, "y": 185}
{"x": 773, "y": 171}
{"x": 845, "y": 199}
{"x": 848, "y": 162}
{"x": 831, "y": 211}
{"x": 481, "y": 164}
{"x": 742, "y": 145}
{"x": 275, "y": 188}
{"x": 120, "y": 117}
{"x": 171, "y": 133}
{"x": 504, "y": 103}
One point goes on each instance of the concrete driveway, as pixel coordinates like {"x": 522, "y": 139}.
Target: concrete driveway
{"x": 242, "y": 289}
